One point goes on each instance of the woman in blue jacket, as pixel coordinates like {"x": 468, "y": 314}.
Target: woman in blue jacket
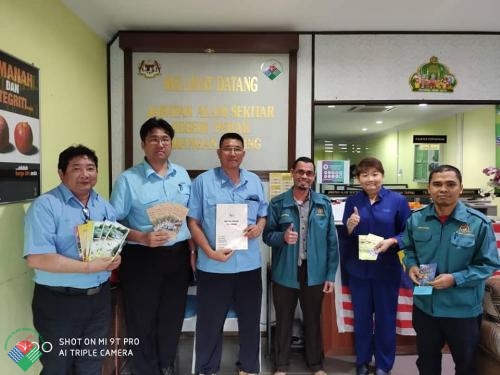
{"x": 374, "y": 284}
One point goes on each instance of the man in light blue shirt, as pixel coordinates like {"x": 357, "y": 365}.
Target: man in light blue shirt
{"x": 72, "y": 298}
{"x": 156, "y": 270}
{"x": 227, "y": 277}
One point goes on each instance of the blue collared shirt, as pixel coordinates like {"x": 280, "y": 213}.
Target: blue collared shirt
{"x": 213, "y": 187}
{"x": 140, "y": 187}
{"x": 50, "y": 227}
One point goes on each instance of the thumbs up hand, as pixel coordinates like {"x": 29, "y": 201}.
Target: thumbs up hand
{"x": 353, "y": 220}
{"x": 290, "y": 236}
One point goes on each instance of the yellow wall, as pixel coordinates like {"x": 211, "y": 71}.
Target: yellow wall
{"x": 73, "y": 109}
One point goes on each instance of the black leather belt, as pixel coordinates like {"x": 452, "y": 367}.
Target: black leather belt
{"x": 67, "y": 290}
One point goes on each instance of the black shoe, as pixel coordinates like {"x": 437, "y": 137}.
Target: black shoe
{"x": 381, "y": 372}
{"x": 362, "y": 370}
{"x": 170, "y": 370}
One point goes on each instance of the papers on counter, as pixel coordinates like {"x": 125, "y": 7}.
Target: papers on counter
{"x": 231, "y": 222}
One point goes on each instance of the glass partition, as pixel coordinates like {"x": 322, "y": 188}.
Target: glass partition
{"x": 466, "y": 139}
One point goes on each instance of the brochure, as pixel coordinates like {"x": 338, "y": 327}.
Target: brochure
{"x": 167, "y": 216}
{"x": 367, "y": 243}
{"x": 231, "y": 222}
{"x": 429, "y": 273}
{"x": 100, "y": 239}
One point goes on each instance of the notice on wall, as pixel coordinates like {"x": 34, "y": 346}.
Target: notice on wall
{"x": 19, "y": 130}
{"x": 279, "y": 182}
{"x": 205, "y": 95}
{"x": 333, "y": 171}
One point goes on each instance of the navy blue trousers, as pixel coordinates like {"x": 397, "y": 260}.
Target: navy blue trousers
{"x": 217, "y": 293}
{"x": 461, "y": 335}
{"x": 66, "y": 321}
{"x": 375, "y": 304}
{"x": 154, "y": 283}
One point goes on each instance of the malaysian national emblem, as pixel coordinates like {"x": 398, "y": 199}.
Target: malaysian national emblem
{"x": 149, "y": 68}
{"x": 464, "y": 228}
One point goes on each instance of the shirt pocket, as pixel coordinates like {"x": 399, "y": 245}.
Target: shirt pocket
{"x": 320, "y": 218}
{"x": 211, "y": 208}
{"x": 183, "y": 193}
{"x": 147, "y": 197}
{"x": 285, "y": 220}
{"x": 252, "y": 210}
{"x": 464, "y": 241}
{"x": 422, "y": 236}
{"x": 463, "y": 246}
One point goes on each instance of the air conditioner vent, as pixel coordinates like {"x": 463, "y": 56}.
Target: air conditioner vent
{"x": 370, "y": 109}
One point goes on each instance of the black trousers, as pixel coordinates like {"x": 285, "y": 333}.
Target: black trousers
{"x": 216, "y": 293}
{"x": 285, "y": 301}
{"x": 461, "y": 335}
{"x": 73, "y": 324}
{"x": 154, "y": 283}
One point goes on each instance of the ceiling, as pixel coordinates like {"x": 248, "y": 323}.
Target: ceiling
{"x": 354, "y": 122}
{"x": 107, "y": 17}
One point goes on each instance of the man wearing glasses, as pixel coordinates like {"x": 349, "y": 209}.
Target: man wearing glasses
{"x": 301, "y": 231}
{"x": 71, "y": 300}
{"x": 227, "y": 277}
{"x": 156, "y": 270}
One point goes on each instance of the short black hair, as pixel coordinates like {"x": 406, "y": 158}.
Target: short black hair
{"x": 154, "y": 122}
{"x": 446, "y": 168}
{"x": 304, "y": 159}
{"x": 367, "y": 163}
{"x": 231, "y": 136}
{"x": 73, "y": 151}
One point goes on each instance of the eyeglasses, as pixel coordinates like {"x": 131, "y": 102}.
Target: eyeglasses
{"x": 229, "y": 150}
{"x": 302, "y": 172}
{"x": 158, "y": 140}
{"x": 86, "y": 214}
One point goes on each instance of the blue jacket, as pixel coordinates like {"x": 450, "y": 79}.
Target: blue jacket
{"x": 463, "y": 246}
{"x": 385, "y": 218}
{"x": 322, "y": 244}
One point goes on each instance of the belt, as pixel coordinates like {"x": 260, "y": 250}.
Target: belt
{"x": 67, "y": 290}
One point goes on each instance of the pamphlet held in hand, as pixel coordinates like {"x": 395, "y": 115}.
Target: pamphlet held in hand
{"x": 367, "y": 243}
{"x": 167, "y": 216}
{"x": 231, "y": 222}
{"x": 428, "y": 272}
{"x": 100, "y": 239}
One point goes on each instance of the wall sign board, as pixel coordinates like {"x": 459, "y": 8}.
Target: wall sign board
{"x": 19, "y": 130}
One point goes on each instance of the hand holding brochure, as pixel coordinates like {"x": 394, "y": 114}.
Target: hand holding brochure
{"x": 367, "y": 243}
{"x": 231, "y": 222}
{"x": 167, "y": 216}
{"x": 428, "y": 272}
{"x": 100, "y": 239}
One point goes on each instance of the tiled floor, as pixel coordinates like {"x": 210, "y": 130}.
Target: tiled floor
{"x": 405, "y": 364}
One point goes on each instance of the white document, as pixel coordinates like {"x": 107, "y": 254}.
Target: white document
{"x": 231, "y": 223}
{"x": 367, "y": 245}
